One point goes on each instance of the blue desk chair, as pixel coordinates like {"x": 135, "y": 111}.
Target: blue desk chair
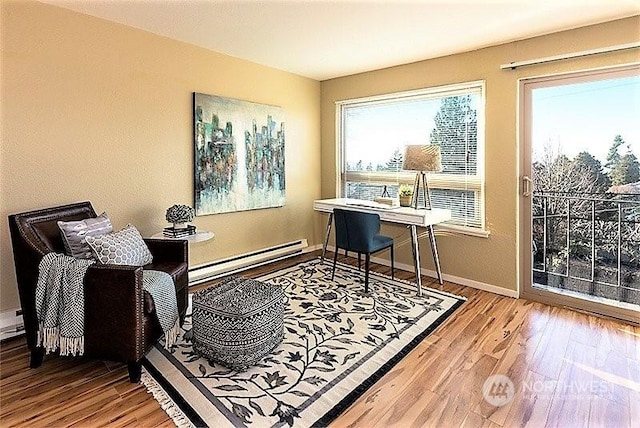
{"x": 359, "y": 232}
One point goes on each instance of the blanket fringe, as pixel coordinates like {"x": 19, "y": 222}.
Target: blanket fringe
{"x": 72, "y": 346}
{"x": 166, "y": 403}
{"x": 49, "y": 338}
{"x": 171, "y": 335}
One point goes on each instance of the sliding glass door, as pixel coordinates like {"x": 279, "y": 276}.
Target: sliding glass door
{"x": 580, "y": 190}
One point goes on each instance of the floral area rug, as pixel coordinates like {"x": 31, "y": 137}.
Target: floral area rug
{"x": 338, "y": 341}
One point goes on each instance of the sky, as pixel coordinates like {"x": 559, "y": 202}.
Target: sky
{"x": 587, "y": 117}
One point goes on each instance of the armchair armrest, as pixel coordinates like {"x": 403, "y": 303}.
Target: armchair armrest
{"x": 113, "y": 310}
{"x": 168, "y": 250}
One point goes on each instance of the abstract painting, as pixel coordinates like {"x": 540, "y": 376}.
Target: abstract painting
{"x": 239, "y": 155}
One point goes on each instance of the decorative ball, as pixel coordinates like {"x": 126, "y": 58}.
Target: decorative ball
{"x": 179, "y": 214}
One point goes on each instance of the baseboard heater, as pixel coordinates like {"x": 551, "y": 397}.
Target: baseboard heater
{"x": 11, "y": 324}
{"x": 232, "y": 265}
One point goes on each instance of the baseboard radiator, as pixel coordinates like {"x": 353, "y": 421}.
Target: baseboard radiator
{"x": 232, "y": 265}
{"x": 11, "y": 323}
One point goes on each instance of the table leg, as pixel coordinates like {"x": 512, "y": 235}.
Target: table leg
{"x": 326, "y": 237}
{"x": 434, "y": 251}
{"x": 416, "y": 257}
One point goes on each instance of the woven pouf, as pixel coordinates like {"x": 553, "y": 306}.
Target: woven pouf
{"x": 237, "y": 322}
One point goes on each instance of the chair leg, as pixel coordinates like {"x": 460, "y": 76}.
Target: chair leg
{"x": 37, "y": 354}
{"x": 335, "y": 259}
{"x": 359, "y": 261}
{"x": 367, "y": 259}
{"x": 135, "y": 371}
{"x": 392, "y": 274}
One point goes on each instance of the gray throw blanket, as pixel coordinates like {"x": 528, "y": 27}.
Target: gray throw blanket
{"x": 163, "y": 292}
{"x": 60, "y": 303}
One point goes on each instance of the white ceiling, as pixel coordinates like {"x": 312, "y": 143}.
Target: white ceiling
{"x": 323, "y": 39}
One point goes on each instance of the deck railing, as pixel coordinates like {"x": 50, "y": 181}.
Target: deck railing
{"x": 588, "y": 244}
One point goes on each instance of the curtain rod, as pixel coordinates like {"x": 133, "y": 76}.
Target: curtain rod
{"x": 514, "y": 65}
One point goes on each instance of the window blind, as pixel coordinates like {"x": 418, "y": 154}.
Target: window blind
{"x": 372, "y": 133}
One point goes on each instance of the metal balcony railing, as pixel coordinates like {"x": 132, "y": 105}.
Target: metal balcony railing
{"x": 588, "y": 244}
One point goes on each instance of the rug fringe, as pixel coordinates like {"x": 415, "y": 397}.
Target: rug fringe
{"x": 166, "y": 403}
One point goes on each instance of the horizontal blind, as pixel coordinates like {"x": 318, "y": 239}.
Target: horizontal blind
{"x": 372, "y": 134}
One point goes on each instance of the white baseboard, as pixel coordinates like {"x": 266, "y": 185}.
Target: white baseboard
{"x": 449, "y": 278}
{"x": 312, "y": 248}
{"x": 11, "y": 324}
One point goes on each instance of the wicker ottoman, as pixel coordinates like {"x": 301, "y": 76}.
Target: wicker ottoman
{"x": 238, "y": 322}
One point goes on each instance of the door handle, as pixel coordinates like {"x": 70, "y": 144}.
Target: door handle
{"x": 527, "y": 185}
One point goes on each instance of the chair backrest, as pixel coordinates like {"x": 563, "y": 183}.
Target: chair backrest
{"x": 34, "y": 234}
{"x": 355, "y": 230}
{"x": 39, "y": 229}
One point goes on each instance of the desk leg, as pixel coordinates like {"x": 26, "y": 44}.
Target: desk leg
{"x": 434, "y": 251}
{"x": 326, "y": 237}
{"x": 416, "y": 257}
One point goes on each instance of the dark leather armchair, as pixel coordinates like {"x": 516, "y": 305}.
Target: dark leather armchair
{"x": 120, "y": 320}
{"x": 360, "y": 232}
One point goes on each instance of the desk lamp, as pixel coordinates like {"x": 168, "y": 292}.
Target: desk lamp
{"x": 422, "y": 158}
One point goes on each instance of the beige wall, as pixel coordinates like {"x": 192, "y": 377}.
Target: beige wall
{"x": 97, "y": 111}
{"x": 492, "y": 260}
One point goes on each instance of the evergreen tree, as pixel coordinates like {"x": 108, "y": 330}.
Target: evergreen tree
{"x": 456, "y": 132}
{"x": 585, "y": 163}
{"x": 626, "y": 170}
{"x": 395, "y": 163}
{"x": 622, "y": 169}
{"x": 613, "y": 156}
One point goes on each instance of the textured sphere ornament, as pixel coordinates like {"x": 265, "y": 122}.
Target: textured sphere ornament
{"x": 179, "y": 214}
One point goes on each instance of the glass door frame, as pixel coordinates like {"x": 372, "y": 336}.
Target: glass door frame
{"x": 525, "y": 192}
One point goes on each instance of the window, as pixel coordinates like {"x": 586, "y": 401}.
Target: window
{"x": 372, "y": 134}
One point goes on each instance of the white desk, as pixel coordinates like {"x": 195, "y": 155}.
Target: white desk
{"x": 402, "y": 215}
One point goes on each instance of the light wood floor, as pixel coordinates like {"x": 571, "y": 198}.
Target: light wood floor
{"x": 569, "y": 369}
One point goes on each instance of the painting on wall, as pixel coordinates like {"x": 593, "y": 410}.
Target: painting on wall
{"x": 239, "y": 155}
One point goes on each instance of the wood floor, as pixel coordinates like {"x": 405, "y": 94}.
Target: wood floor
{"x": 568, "y": 369}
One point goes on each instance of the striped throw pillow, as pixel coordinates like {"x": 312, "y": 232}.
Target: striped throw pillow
{"x": 74, "y": 234}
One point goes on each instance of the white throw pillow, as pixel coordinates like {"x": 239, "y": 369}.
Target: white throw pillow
{"x": 125, "y": 247}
